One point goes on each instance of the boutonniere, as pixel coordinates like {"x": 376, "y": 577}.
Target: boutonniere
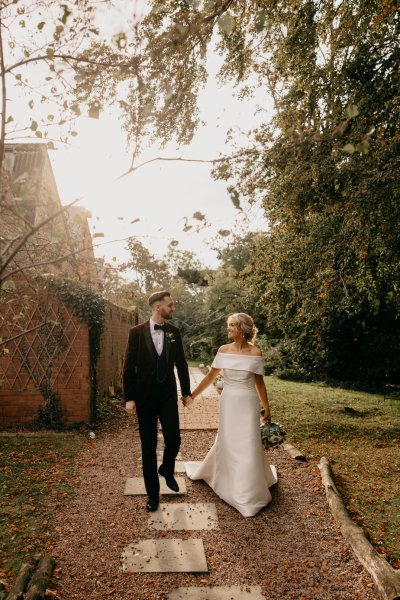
{"x": 170, "y": 336}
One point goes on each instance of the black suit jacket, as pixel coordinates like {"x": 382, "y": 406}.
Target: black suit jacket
{"x": 140, "y": 366}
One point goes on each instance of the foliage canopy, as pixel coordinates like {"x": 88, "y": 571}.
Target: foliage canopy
{"x": 325, "y": 278}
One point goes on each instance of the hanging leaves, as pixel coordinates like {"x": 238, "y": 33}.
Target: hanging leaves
{"x": 226, "y": 23}
{"x": 234, "y": 194}
{"x": 66, "y": 14}
{"x": 352, "y": 111}
{"x": 94, "y": 110}
{"x": 349, "y": 149}
{"x": 120, "y": 40}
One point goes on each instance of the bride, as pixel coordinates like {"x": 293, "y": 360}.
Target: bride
{"x": 235, "y": 467}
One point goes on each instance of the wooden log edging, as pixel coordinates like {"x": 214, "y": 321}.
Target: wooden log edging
{"x": 32, "y": 580}
{"x": 386, "y": 579}
{"x": 21, "y": 582}
{"x": 294, "y": 452}
{"x": 40, "y": 579}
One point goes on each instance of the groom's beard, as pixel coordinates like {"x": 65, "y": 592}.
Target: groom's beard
{"x": 165, "y": 314}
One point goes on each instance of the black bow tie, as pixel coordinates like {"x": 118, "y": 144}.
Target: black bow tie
{"x": 156, "y": 326}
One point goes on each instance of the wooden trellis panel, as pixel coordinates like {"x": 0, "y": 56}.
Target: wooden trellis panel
{"x": 54, "y": 353}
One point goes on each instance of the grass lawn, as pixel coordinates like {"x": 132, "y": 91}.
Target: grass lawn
{"x": 362, "y": 446}
{"x": 193, "y": 363}
{"x": 36, "y": 477}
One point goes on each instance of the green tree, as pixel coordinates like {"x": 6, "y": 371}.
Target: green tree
{"x": 327, "y": 274}
{"x": 323, "y": 167}
{"x": 224, "y": 295}
{"x": 148, "y": 271}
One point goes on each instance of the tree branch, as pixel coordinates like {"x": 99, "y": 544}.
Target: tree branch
{"x": 33, "y": 230}
{"x": 25, "y": 332}
{"x": 61, "y": 258}
{"x": 67, "y": 57}
{"x": 220, "y": 11}
{"x": 211, "y": 161}
{"x": 3, "y": 101}
{"x": 8, "y": 245}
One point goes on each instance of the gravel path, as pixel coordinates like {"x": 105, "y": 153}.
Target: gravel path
{"x": 291, "y": 548}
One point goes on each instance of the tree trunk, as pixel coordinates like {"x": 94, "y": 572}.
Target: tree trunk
{"x": 384, "y": 576}
{"x": 21, "y": 583}
{"x": 40, "y": 579}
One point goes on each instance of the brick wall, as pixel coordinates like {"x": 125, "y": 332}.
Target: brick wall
{"x": 56, "y": 354}
{"x": 118, "y": 321}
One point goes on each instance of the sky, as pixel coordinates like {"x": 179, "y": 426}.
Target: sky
{"x": 159, "y": 196}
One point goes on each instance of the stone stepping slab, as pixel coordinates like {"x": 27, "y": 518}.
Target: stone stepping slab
{"x": 234, "y": 592}
{"x": 134, "y": 486}
{"x": 188, "y": 517}
{"x": 179, "y": 466}
{"x": 165, "y": 556}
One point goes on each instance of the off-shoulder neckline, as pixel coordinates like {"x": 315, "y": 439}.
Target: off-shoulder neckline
{"x": 230, "y": 354}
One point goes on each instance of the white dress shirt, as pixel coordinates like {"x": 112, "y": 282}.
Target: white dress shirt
{"x": 158, "y": 337}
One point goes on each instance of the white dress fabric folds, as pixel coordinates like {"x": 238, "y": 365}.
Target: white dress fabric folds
{"x": 236, "y": 467}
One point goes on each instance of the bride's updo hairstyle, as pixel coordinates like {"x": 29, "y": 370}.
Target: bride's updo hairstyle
{"x": 246, "y": 325}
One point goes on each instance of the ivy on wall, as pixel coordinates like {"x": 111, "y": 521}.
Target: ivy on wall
{"x": 87, "y": 306}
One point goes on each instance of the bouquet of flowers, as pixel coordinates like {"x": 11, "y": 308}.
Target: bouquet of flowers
{"x": 272, "y": 434}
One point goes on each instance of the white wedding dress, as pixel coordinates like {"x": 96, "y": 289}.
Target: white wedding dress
{"x": 235, "y": 467}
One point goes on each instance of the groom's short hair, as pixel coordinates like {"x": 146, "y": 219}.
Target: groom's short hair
{"x": 158, "y": 297}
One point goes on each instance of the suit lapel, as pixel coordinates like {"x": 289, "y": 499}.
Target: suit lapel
{"x": 148, "y": 338}
{"x": 167, "y": 343}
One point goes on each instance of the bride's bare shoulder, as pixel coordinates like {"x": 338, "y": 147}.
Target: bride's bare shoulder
{"x": 255, "y": 351}
{"x": 225, "y": 348}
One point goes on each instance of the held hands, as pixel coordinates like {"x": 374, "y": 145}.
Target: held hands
{"x": 130, "y": 407}
{"x": 187, "y": 401}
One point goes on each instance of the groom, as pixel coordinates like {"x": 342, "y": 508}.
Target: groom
{"x": 153, "y": 349}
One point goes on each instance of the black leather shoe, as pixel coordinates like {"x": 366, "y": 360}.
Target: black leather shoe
{"x": 170, "y": 481}
{"x": 152, "y": 504}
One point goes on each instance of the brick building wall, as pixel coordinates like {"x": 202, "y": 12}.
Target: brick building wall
{"x": 30, "y": 185}
{"x": 56, "y": 356}
{"x": 118, "y": 321}
{"x": 53, "y": 355}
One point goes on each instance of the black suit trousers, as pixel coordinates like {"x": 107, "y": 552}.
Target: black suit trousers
{"x": 160, "y": 405}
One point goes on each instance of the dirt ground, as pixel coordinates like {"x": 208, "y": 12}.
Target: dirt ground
{"x": 292, "y": 548}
